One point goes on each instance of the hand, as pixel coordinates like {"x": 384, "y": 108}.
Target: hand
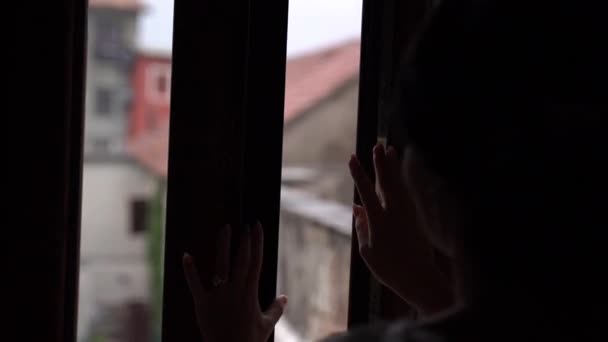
{"x": 391, "y": 239}
{"x": 230, "y": 310}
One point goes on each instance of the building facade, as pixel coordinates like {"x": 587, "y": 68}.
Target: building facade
{"x": 114, "y": 272}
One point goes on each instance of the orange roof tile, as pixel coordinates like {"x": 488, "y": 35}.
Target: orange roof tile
{"x": 309, "y": 79}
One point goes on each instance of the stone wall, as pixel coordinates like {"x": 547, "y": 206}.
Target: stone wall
{"x": 314, "y": 262}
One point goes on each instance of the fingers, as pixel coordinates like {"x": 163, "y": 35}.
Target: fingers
{"x": 243, "y": 257}
{"x": 275, "y": 311}
{"x": 363, "y": 232}
{"x": 361, "y": 226}
{"x": 194, "y": 280}
{"x": 222, "y": 259}
{"x": 390, "y": 178}
{"x": 257, "y": 256}
{"x": 380, "y": 165}
{"x": 366, "y": 190}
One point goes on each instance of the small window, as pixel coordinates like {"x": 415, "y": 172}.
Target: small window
{"x": 101, "y": 145}
{"x": 139, "y": 215}
{"x": 110, "y": 42}
{"x": 158, "y": 83}
{"x": 161, "y": 84}
{"x": 103, "y": 101}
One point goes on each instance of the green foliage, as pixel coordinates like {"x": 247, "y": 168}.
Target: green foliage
{"x": 155, "y": 244}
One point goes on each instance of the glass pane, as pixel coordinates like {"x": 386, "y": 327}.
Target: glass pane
{"x": 125, "y": 166}
{"x": 319, "y": 136}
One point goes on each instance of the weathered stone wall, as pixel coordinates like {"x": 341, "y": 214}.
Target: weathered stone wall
{"x": 314, "y": 262}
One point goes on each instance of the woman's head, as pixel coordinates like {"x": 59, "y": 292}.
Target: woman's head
{"x": 503, "y": 103}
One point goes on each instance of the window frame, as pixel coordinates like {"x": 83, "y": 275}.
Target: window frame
{"x": 388, "y": 30}
{"x": 236, "y": 164}
{"x": 139, "y": 215}
{"x": 45, "y": 172}
{"x": 253, "y": 125}
{"x": 232, "y": 153}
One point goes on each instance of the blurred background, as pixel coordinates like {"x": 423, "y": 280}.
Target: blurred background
{"x": 125, "y": 168}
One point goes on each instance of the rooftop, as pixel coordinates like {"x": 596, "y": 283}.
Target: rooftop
{"x": 127, "y": 5}
{"x": 309, "y": 80}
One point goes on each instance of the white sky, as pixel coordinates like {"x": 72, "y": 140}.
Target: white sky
{"x": 313, "y": 24}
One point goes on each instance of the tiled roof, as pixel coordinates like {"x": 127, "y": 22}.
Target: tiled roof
{"x": 309, "y": 79}
{"x": 130, "y": 5}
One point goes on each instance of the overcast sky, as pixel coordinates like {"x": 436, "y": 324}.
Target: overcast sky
{"x": 313, "y": 24}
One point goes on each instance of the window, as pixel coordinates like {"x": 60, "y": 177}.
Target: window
{"x": 103, "y": 101}
{"x": 110, "y": 42}
{"x": 139, "y": 215}
{"x": 101, "y": 145}
{"x": 321, "y": 96}
{"x": 161, "y": 84}
{"x": 105, "y": 248}
{"x": 123, "y": 191}
{"x": 158, "y": 82}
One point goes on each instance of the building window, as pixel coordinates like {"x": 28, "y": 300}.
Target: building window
{"x": 139, "y": 215}
{"x": 158, "y": 83}
{"x": 103, "y": 101}
{"x": 101, "y": 145}
{"x": 109, "y": 41}
{"x": 161, "y": 84}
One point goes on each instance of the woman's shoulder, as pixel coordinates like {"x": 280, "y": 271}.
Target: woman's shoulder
{"x": 401, "y": 331}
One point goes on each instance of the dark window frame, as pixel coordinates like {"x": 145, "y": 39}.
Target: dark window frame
{"x": 388, "y": 31}
{"x": 232, "y": 172}
{"x": 44, "y": 192}
{"x": 232, "y": 153}
{"x": 140, "y": 211}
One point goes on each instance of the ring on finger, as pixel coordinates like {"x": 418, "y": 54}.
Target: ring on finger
{"x": 217, "y": 281}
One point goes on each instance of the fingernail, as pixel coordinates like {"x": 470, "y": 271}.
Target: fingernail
{"x": 283, "y": 300}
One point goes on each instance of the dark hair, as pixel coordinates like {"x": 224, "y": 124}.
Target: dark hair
{"x": 504, "y": 101}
